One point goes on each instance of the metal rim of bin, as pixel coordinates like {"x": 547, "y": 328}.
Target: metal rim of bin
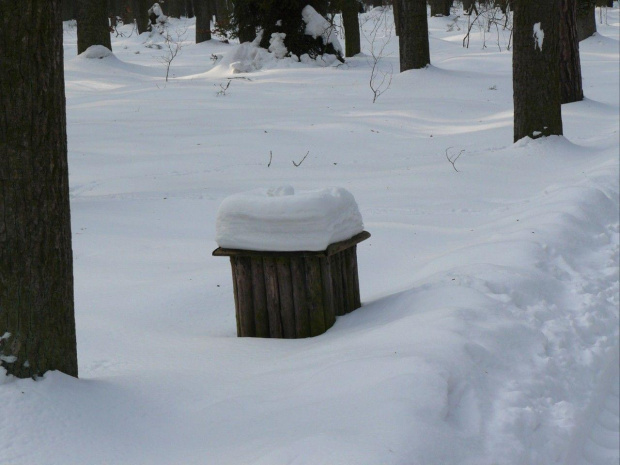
{"x": 294, "y": 294}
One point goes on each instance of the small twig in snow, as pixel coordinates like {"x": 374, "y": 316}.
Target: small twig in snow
{"x": 453, "y": 159}
{"x": 302, "y": 160}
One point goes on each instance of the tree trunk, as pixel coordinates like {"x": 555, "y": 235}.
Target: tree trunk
{"x": 586, "y": 19}
{"x": 468, "y": 6}
{"x": 37, "y": 326}
{"x": 141, "y": 14}
{"x": 396, "y": 12}
{"x": 413, "y": 39}
{"x": 535, "y": 70}
{"x": 350, "y": 21}
{"x": 222, "y": 11}
{"x": 440, "y": 7}
{"x": 377, "y": 3}
{"x": 92, "y": 25}
{"x": 189, "y": 8}
{"x": 69, "y": 10}
{"x": 174, "y": 8}
{"x": 203, "y": 20}
{"x": 570, "y": 63}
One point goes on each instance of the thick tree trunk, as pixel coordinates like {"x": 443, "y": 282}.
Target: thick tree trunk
{"x": 69, "y": 10}
{"x": 377, "y": 3}
{"x": 350, "y": 21}
{"x": 535, "y": 70}
{"x": 37, "y": 326}
{"x": 468, "y": 6}
{"x": 570, "y": 63}
{"x": 586, "y": 19}
{"x": 92, "y": 25}
{"x": 396, "y": 12}
{"x": 413, "y": 39}
{"x": 203, "y": 20}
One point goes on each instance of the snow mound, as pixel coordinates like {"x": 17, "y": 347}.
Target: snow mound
{"x": 96, "y": 51}
{"x": 317, "y": 26}
{"x": 281, "y": 219}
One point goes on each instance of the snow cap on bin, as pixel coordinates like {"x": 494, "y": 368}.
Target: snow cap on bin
{"x": 282, "y": 220}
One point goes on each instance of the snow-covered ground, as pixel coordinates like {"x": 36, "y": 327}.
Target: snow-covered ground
{"x": 489, "y": 327}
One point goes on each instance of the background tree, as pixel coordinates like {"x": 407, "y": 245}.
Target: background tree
{"x": 69, "y": 10}
{"x": 440, "y": 7}
{"x": 92, "y": 25}
{"x": 586, "y": 18}
{"x": 351, "y": 23}
{"x": 37, "y": 326}
{"x": 535, "y": 70}
{"x": 140, "y": 9}
{"x": 202, "y": 10}
{"x": 570, "y": 62}
{"x": 413, "y": 38}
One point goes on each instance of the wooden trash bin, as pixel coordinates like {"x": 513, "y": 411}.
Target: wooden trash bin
{"x": 294, "y": 294}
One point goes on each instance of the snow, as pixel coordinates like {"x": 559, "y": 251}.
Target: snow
{"x": 317, "y": 26}
{"x": 96, "y": 51}
{"x": 489, "y": 327}
{"x": 281, "y": 219}
{"x": 539, "y": 37}
{"x": 276, "y": 45}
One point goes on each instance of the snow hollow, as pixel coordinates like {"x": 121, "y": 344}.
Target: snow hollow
{"x": 489, "y": 327}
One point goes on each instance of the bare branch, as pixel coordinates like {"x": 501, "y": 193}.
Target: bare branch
{"x": 452, "y": 159}
{"x": 302, "y": 160}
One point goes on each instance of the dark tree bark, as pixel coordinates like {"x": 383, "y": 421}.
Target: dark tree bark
{"x": 37, "y": 326}
{"x": 586, "y": 19}
{"x": 92, "y": 25}
{"x": 174, "y": 8}
{"x": 203, "y": 20}
{"x": 69, "y": 10}
{"x": 350, "y": 21}
{"x": 413, "y": 38}
{"x": 396, "y": 12}
{"x": 141, "y": 14}
{"x": 440, "y": 7}
{"x": 189, "y": 8}
{"x": 222, "y": 11}
{"x": 570, "y": 63}
{"x": 377, "y": 3}
{"x": 468, "y": 5}
{"x": 535, "y": 70}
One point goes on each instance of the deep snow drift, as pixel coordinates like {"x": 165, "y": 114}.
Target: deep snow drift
{"x": 489, "y": 327}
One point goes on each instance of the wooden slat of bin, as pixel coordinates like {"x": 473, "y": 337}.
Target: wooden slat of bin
{"x": 233, "y": 267}
{"x": 337, "y": 290}
{"x": 314, "y": 295}
{"x": 328, "y": 293}
{"x": 273, "y": 297}
{"x": 285, "y": 286}
{"x": 261, "y": 317}
{"x": 302, "y": 316}
{"x": 244, "y": 295}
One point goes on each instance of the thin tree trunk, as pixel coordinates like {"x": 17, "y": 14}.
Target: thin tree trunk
{"x": 350, "y": 21}
{"x": 92, "y": 25}
{"x": 586, "y": 19}
{"x": 203, "y": 20}
{"x": 535, "y": 70}
{"x": 413, "y": 39}
{"x": 570, "y": 63}
{"x": 37, "y": 325}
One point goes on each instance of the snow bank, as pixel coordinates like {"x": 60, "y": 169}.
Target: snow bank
{"x": 281, "y": 219}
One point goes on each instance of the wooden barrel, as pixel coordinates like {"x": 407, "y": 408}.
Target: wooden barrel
{"x": 294, "y": 294}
